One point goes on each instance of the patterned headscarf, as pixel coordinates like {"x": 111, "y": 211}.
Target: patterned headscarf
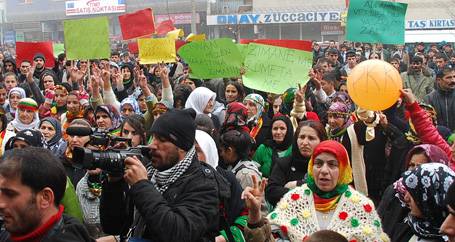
{"x": 432, "y": 152}
{"x": 258, "y": 100}
{"x": 236, "y": 117}
{"x": 428, "y": 186}
{"x": 341, "y": 110}
{"x": 325, "y": 201}
{"x": 113, "y": 114}
{"x": 133, "y": 102}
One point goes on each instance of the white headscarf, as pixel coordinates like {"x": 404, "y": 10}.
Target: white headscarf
{"x": 199, "y": 98}
{"x": 208, "y": 147}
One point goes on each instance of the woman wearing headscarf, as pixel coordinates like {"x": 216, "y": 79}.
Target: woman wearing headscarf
{"x": 52, "y": 131}
{"x": 75, "y": 104}
{"x": 326, "y": 201}
{"x": 108, "y": 119}
{"x": 25, "y": 118}
{"x": 236, "y": 118}
{"x": 129, "y": 106}
{"x": 423, "y": 191}
{"x": 207, "y": 152}
{"x": 202, "y": 100}
{"x": 14, "y": 95}
{"x": 290, "y": 172}
{"x": 278, "y": 146}
{"x": 206, "y": 148}
{"x": 125, "y": 84}
{"x": 390, "y": 210}
{"x": 257, "y": 121}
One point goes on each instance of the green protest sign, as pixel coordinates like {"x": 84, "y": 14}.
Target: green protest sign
{"x": 58, "y": 49}
{"x": 275, "y": 69}
{"x": 87, "y": 38}
{"x": 217, "y": 58}
{"x": 376, "y": 21}
{"x": 242, "y": 49}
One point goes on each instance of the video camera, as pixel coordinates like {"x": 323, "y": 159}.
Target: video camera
{"x": 109, "y": 159}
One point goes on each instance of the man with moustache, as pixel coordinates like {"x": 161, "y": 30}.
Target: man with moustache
{"x": 32, "y": 185}
{"x": 419, "y": 81}
{"x": 176, "y": 198}
{"x": 443, "y": 97}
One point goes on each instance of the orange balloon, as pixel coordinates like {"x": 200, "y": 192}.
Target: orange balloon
{"x": 374, "y": 85}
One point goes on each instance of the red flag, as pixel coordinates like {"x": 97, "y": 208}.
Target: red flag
{"x": 137, "y": 24}
{"x": 291, "y": 44}
{"x": 164, "y": 27}
{"x": 179, "y": 43}
{"x": 133, "y": 47}
{"x": 27, "y": 50}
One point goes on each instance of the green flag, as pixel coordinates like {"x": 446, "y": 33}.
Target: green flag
{"x": 275, "y": 69}
{"x": 376, "y": 21}
{"x": 212, "y": 59}
{"x": 87, "y": 38}
{"x": 58, "y": 49}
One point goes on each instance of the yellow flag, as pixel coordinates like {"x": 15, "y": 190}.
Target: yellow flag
{"x": 195, "y": 37}
{"x": 152, "y": 51}
{"x": 175, "y": 34}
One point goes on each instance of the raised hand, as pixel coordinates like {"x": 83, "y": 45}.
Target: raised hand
{"x": 408, "y": 96}
{"x": 30, "y": 72}
{"x": 300, "y": 94}
{"x": 253, "y": 197}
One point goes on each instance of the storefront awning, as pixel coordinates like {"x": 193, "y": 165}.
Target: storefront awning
{"x": 429, "y": 36}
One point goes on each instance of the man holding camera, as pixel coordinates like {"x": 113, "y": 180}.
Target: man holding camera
{"x": 175, "y": 199}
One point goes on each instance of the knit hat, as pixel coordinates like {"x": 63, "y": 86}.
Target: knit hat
{"x": 177, "y": 126}
{"x": 31, "y": 137}
{"x": 28, "y": 104}
{"x": 39, "y": 55}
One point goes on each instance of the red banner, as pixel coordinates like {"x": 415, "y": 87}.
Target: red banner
{"x": 164, "y": 27}
{"x": 27, "y": 50}
{"x": 137, "y": 24}
{"x": 291, "y": 44}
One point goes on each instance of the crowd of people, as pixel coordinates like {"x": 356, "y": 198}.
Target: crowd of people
{"x": 214, "y": 160}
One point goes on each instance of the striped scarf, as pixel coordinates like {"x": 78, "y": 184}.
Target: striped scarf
{"x": 163, "y": 179}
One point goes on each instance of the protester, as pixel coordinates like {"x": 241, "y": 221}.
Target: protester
{"x": 175, "y": 169}
{"x": 325, "y": 202}
{"x": 289, "y": 172}
{"x": 34, "y": 212}
{"x": 278, "y": 146}
{"x": 424, "y": 191}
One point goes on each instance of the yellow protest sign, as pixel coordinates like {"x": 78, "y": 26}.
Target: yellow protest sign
{"x": 195, "y": 37}
{"x": 152, "y": 51}
{"x": 175, "y": 34}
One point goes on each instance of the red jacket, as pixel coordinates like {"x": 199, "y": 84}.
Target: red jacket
{"x": 427, "y": 132}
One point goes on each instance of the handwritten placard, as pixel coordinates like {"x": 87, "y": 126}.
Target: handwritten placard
{"x": 87, "y": 38}
{"x": 217, "y": 58}
{"x": 376, "y": 21}
{"x": 152, "y": 51}
{"x": 275, "y": 69}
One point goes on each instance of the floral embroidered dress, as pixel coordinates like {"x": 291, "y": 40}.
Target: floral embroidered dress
{"x": 354, "y": 216}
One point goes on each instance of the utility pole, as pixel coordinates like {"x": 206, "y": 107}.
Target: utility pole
{"x": 193, "y": 16}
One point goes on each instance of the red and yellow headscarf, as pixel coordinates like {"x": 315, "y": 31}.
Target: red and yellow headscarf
{"x": 326, "y": 201}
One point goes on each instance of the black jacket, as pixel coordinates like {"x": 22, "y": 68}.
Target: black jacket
{"x": 67, "y": 229}
{"x": 444, "y": 104}
{"x": 285, "y": 169}
{"x": 392, "y": 215}
{"x": 187, "y": 211}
